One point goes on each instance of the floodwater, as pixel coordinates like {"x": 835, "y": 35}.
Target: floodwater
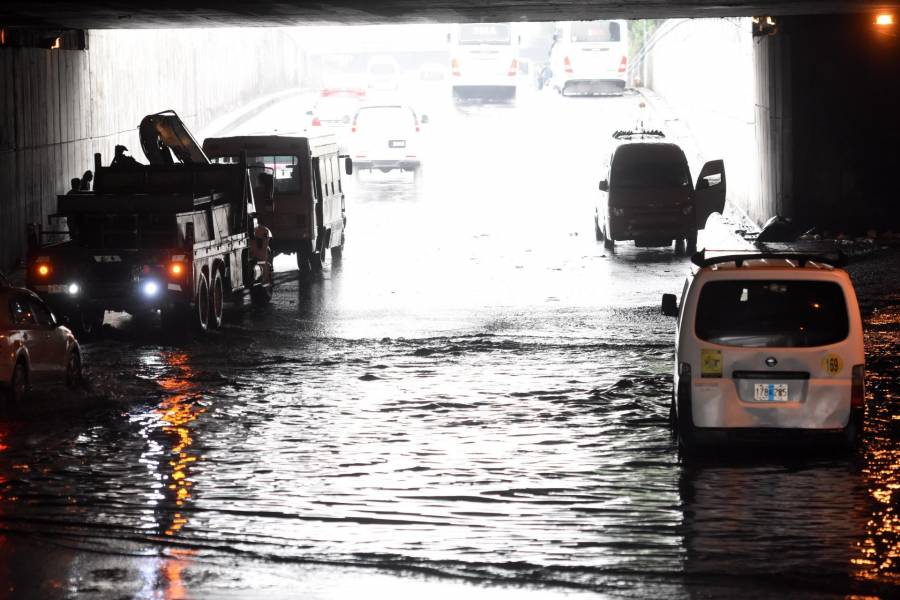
{"x": 475, "y": 401}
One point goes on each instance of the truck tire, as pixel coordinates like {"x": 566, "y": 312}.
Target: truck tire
{"x": 201, "y": 307}
{"x": 217, "y": 300}
{"x": 679, "y": 246}
{"x": 74, "y": 376}
{"x": 303, "y": 265}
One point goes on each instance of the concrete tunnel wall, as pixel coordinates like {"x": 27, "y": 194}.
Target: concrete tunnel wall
{"x": 59, "y": 107}
{"x": 805, "y": 117}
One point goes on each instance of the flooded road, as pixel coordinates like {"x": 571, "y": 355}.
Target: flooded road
{"x": 475, "y": 399}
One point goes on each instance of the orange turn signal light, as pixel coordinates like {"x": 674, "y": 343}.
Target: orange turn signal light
{"x": 884, "y": 20}
{"x": 43, "y": 270}
{"x": 176, "y": 269}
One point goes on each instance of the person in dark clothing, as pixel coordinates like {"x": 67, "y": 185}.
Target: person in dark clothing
{"x": 86, "y": 181}
{"x": 121, "y": 159}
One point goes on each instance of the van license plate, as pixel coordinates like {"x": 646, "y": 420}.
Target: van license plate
{"x": 770, "y": 392}
{"x": 397, "y": 144}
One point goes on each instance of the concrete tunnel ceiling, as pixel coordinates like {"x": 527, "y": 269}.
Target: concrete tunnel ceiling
{"x": 104, "y": 14}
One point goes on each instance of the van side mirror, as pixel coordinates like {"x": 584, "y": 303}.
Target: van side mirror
{"x": 267, "y": 181}
{"x": 604, "y": 185}
{"x": 669, "y": 305}
{"x": 424, "y": 119}
{"x": 309, "y": 113}
{"x": 348, "y": 165}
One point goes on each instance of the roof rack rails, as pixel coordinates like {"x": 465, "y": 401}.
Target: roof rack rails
{"x": 628, "y": 134}
{"x": 834, "y": 259}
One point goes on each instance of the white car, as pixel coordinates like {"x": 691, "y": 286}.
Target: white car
{"x": 35, "y": 350}
{"x": 769, "y": 347}
{"x": 386, "y": 138}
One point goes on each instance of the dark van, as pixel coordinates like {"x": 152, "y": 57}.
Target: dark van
{"x": 647, "y": 196}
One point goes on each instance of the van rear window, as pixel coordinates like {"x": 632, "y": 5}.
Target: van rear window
{"x": 772, "y": 313}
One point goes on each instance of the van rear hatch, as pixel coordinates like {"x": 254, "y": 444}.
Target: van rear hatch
{"x": 772, "y": 353}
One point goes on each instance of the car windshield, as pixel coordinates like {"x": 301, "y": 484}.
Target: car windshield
{"x": 772, "y": 313}
{"x": 485, "y": 33}
{"x": 595, "y": 31}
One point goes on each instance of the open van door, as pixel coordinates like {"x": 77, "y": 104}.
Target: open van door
{"x": 709, "y": 193}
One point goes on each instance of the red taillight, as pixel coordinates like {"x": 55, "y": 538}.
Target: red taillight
{"x": 513, "y": 68}
{"x": 353, "y": 127}
{"x": 623, "y": 64}
{"x": 858, "y": 386}
{"x": 454, "y": 64}
{"x": 316, "y": 122}
{"x": 568, "y": 65}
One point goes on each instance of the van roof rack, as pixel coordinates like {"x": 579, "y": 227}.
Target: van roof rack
{"x": 627, "y": 134}
{"x": 834, "y": 259}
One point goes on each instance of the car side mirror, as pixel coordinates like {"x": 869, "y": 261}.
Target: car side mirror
{"x": 309, "y": 113}
{"x": 348, "y": 165}
{"x": 669, "y": 305}
{"x": 604, "y": 185}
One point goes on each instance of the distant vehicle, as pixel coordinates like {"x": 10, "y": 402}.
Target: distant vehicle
{"x": 484, "y": 62}
{"x": 386, "y": 138}
{"x": 433, "y": 73}
{"x": 334, "y": 110}
{"x": 35, "y": 349}
{"x": 769, "y": 347}
{"x": 383, "y": 74}
{"x": 647, "y": 196}
{"x": 589, "y": 57}
{"x": 306, "y": 212}
{"x": 178, "y": 238}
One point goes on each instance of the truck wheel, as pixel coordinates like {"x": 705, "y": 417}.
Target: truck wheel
{"x": 317, "y": 261}
{"x": 217, "y": 301}
{"x": 201, "y": 309}
{"x": 679, "y": 246}
{"x": 303, "y": 264}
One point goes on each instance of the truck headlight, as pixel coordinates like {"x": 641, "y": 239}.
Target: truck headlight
{"x": 150, "y": 288}
{"x": 73, "y": 289}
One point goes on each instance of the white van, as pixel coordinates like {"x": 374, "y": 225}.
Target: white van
{"x": 484, "y": 62}
{"x": 769, "y": 347}
{"x": 589, "y": 57}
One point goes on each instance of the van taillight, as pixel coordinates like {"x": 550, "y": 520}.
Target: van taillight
{"x": 513, "y": 68}
{"x": 454, "y": 64}
{"x": 858, "y": 386}
{"x": 353, "y": 126}
{"x": 623, "y": 64}
{"x": 316, "y": 122}
{"x": 568, "y": 65}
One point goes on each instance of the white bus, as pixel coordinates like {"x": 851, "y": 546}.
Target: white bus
{"x": 589, "y": 57}
{"x": 484, "y": 62}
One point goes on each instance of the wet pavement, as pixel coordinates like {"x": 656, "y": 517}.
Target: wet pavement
{"x": 474, "y": 402}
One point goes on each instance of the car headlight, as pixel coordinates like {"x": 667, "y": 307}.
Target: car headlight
{"x": 73, "y": 289}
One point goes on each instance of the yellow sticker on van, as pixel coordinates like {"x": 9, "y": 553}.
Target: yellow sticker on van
{"x": 832, "y": 364}
{"x": 710, "y": 362}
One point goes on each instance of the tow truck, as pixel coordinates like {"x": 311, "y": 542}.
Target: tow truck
{"x": 179, "y": 236}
